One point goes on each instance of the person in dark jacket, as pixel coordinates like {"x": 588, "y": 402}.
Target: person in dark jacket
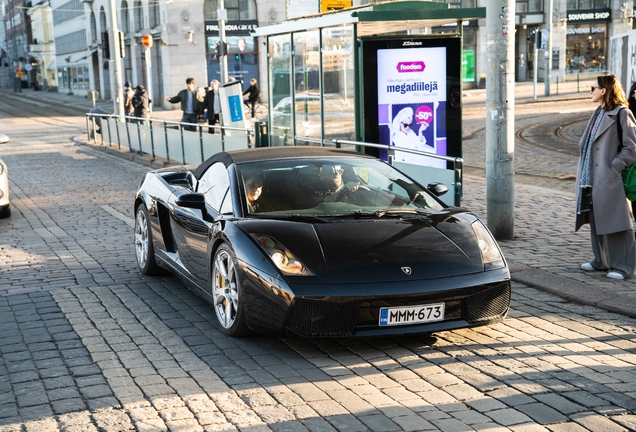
{"x": 212, "y": 103}
{"x": 140, "y": 102}
{"x": 253, "y": 94}
{"x": 128, "y": 96}
{"x": 191, "y": 106}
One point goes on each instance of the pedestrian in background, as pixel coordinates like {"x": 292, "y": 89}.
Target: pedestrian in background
{"x": 190, "y": 104}
{"x": 212, "y": 104}
{"x": 253, "y": 94}
{"x": 140, "y": 102}
{"x": 600, "y": 194}
{"x": 128, "y": 97}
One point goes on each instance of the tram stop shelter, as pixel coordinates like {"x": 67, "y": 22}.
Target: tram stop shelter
{"x": 356, "y": 74}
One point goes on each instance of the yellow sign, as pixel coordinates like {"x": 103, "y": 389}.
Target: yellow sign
{"x": 332, "y": 5}
{"x": 19, "y": 74}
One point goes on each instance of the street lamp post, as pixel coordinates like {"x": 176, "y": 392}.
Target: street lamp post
{"x": 118, "y": 101}
{"x": 500, "y": 115}
{"x": 222, "y": 15}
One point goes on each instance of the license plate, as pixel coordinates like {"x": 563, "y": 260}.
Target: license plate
{"x": 412, "y": 314}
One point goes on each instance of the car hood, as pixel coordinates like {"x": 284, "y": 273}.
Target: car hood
{"x": 379, "y": 250}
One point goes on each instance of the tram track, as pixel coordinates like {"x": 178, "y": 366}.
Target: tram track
{"x": 555, "y": 135}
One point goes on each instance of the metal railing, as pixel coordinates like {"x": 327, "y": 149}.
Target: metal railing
{"x": 167, "y": 139}
{"x": 171, "y": 141}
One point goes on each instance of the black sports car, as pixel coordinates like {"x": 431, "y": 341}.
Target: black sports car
{"x": 319, "y": 242}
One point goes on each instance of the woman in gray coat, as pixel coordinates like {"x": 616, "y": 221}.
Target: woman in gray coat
{"x": 600, "y": 195}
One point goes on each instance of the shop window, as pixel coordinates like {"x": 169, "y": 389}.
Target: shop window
{"x": 586, "y": 48}
{"x": 242, "y": 59}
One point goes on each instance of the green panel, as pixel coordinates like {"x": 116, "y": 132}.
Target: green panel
{"x": 409, "y": 5}
{"x": 420, "y": 14}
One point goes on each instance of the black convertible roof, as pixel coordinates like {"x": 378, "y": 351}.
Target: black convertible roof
{"x": 268, "y": 153}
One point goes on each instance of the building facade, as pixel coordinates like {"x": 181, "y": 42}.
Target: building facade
{"x": 17, "y": 31}
{"x": 186, "y": 37}
{"x": 184, "y": 33}
{"x": 42, "y": 46}
{"x": 581, "y": 30}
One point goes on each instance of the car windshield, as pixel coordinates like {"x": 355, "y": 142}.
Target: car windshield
{"x": 330, "y": 187}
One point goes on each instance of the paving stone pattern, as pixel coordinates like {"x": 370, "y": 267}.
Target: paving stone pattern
{"x": 88, "y": 344}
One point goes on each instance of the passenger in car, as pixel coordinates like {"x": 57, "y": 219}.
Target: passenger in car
{"x": 253, "y": 192}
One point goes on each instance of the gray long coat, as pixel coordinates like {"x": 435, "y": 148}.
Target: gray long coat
{"x": 608, "y": 193}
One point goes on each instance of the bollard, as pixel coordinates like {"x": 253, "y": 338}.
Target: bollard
{"x": 578, "y": 76}
{"x": 261, "y": 138}
{"x": 557, "y": 83}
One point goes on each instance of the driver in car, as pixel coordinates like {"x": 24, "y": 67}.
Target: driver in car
{"x": 331, "y": 176}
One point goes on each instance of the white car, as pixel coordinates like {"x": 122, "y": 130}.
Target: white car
{"x": 5, "y": 208}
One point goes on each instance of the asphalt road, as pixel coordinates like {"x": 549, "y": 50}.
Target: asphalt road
{"x": 88, "y": 343}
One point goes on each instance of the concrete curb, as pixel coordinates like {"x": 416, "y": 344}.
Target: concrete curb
{"x": 575, "y": 291}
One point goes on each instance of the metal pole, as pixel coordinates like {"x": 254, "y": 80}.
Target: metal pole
{"x": 535, "y": 69}
{"x": 118, "y": 100}
{"x": 222, "y": 14}
{"x": 148, "y": 58}
{"x": 548, "y": 49}
{"x": 500, "y": 98}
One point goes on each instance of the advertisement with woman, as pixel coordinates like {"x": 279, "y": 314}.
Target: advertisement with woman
{"x": 412, "y": 102}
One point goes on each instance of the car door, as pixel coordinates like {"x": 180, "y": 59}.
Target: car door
{"x": 192, "y": 231}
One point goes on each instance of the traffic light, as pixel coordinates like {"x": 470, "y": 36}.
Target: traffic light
{"x": 221, "y": 48}
{"x": 105, "y": 45}
{"x": 122, "y": 47}
{"x": 237, "y": 57}
{"x": 533, "y": 37}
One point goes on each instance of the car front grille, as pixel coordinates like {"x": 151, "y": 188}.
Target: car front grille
{"x": 488, "y": 305}
{"x": 316, "y": 318}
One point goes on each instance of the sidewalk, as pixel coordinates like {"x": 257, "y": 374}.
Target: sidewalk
{"x": 524, "y": 92}
{"x": 546, "y": 253}
{"x": 86, "y": 104}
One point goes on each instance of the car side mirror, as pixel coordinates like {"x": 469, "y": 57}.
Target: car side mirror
{"x": 191, "y": 200}
{"x": 437, "y": 189}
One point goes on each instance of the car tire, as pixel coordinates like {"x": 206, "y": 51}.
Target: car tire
{"x": 5, "y": 211}
{"x": 227, "y": 295}
{"x": 144, "y": 248}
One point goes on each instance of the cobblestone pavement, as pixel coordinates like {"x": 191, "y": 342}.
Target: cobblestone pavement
{"x": 87, "y": 343}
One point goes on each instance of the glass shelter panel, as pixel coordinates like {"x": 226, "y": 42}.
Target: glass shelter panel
{"x": 306, "y": 85}
{"x": 338, "y": 82}
{"x": 280, "y": 97}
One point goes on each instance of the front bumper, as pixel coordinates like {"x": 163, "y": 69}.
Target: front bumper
{"x": 345, "y": 310}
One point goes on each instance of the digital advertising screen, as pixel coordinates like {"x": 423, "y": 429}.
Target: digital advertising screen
{"x": 415, "y": 97}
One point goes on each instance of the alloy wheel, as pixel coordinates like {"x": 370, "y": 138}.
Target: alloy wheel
{"x": 225, "y": 289}
{"x": 141, "y": 238}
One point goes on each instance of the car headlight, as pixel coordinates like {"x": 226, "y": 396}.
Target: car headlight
{"x": 282, "y": 258}
{"x": 490, "y": 255}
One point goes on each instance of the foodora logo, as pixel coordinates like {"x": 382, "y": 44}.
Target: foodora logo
{"x": 412, "y": 66}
